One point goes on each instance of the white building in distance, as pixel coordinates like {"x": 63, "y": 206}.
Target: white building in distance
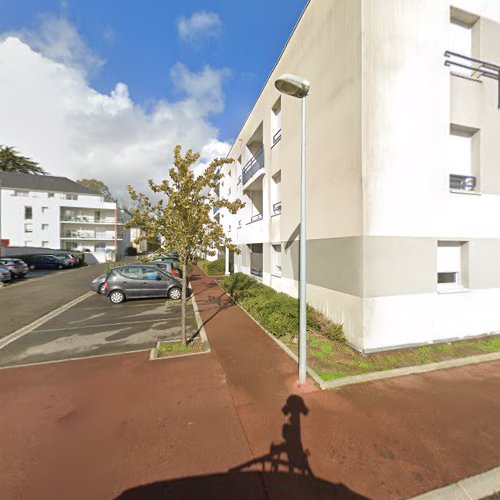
{"x": 50, "y": 212}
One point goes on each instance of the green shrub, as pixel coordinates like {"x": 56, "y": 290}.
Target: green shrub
{"x": 277, "y": 312}
{"x": 212, "y": 268}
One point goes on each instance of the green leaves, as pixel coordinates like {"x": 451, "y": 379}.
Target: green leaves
{"x": 181, "y": 218}
{"x": 12, "y": 161}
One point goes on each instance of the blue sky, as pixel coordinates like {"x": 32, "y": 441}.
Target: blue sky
{"x": 140, "y": 43}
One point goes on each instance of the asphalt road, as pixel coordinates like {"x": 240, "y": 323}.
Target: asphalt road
{"x": 97, "y": 327}
{"x": 27, "y": 300}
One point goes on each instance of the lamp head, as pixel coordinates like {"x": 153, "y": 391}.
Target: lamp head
{"x": 292, "y": 85}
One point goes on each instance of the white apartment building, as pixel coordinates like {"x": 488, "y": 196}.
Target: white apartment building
{"x": 55, "y": 212}
{"x": 403, "y": 161}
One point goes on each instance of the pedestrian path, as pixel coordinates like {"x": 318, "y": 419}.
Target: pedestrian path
{"x": 388, "y": 439}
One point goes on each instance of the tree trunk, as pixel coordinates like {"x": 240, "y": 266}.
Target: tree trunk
{"x": 183, "y": 302}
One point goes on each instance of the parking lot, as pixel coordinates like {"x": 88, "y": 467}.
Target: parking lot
{"x": 97, "y": 327}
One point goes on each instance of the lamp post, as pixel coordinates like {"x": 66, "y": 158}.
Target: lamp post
{"x": 296, "y": 86}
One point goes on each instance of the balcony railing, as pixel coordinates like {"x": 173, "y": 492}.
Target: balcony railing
{"x": 255, "y": 164}
{"x": 255, "y": 218}
{"x": 88, "y": 235}
{"x": 277, "y": 208}
{"x": 463, "y": 182}
{"x": 277, "y": 137}
{"x": 89, "y": 220}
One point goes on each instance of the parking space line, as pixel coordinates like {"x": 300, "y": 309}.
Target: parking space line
{"x": 81, "y": 327}
{"x": 81, "y": 358}
{"x": 40, "y": 321}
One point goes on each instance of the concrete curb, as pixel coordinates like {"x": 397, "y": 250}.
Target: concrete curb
{"x": 381, "y": 375}
{"x": 288, "y": 351}
{"x": 409, "y": 370}
{"x": 40, "y": 321}
{"x": 471, "y": 488}
{"x": 153, "y": 356}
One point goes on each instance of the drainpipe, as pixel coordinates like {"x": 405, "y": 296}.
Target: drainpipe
{"x": 116, "y": 233}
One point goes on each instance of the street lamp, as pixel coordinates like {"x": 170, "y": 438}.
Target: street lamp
{"x": 296, "y": 86}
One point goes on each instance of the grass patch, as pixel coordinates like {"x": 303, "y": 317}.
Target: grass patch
{"x": 172, "y": 349}
{"x": 175, "y": 348}
{"x": 212, "y": 268}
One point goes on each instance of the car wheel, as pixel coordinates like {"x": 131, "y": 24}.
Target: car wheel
{"x": 175, "y": 293}
{"x": 59, "y": 267}
{"x": 116, "y": 297}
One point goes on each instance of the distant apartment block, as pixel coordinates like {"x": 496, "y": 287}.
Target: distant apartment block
{"x": 58, "y": 213}
{"x": 403, "y": 164}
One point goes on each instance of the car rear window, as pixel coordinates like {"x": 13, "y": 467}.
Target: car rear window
{"x": 131, "y": 272}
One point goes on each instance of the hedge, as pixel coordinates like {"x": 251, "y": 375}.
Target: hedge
{"x": 277, "y": 312}
{"x": 212, "y": 268}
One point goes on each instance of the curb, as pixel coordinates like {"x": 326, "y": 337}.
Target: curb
{"x": 471, "y": 488}
{"x": 379, "y": 375}
{"x": 409, "y": 370}
{"x": 285, "y": 348}
{"x": 40, "y": 321}
{"x": 153, "y": 356}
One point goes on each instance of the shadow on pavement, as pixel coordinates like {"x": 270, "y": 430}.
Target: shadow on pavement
{"x": 284, "y": 472}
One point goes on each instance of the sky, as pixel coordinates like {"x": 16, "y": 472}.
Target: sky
{"x": 106, "y": 89}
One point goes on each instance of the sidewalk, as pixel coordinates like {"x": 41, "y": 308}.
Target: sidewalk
{"x": 387, "y": 439}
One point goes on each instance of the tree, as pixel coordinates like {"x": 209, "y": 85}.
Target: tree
{"x": 181, "y": 216}
{"x": 98, "y": 187}
{"x": 12, "y": 161}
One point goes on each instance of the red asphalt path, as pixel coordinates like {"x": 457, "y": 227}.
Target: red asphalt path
{"x": 96, "y": 428}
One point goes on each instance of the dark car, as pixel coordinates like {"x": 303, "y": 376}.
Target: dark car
{"x": 140, "y": 281}
{"x": 46, "y": 262}
{"x": 72, "y": 259}
{"x": 17, "y": 267}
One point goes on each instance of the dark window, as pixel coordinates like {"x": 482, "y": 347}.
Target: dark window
{"x": 132, "y": 272}
{"x": 28, "y": 213}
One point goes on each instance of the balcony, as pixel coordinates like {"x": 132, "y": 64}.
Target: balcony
{"x": 463, "y": 182}
{"x": 89, "y": 235}
{"x": 82, "y": 219}
{"x": 255, "y": 218}
{"x": 254, "y": 165}
{"x": 277, "y": 208}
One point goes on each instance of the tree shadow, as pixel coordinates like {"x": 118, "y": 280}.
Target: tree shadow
{"x": 283, "y": 473}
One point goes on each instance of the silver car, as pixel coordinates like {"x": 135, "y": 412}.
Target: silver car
{"x": 4, "y": 274}
{"x": 17, "y": 267}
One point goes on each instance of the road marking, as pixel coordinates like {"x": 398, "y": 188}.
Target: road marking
{"x": 40, "y": 321}
{"x": 81, "y": 327}
{"x": 75, "y": 359}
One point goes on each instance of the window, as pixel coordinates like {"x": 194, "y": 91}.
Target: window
{"x": 28, "y": 243}
{"x": 132, "y": 272}
{"x": 276, "y": 193}
{"x": 148, "y": 273}
{"x": 45, "y": 244}
{"x": 452, "y": 265}
{"x": 276, "y": 122}
{"x": 28, "y": 213}
{"x": 276, "y": 259}
{"x": 19, "y": 192}
{"x": 45, "y": 227}
{"x": 71, "y": 196}
{"x": 463, "y": 157}
{"x": 45, "y": 210}
{"x": 461, "y": 37}
{"x": 51, "y": 195}
{"x": 28, "y": 227}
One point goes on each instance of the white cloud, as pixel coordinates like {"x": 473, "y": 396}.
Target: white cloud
{"x": 200, "y": 25}
{"x": 52, "y": 114}
{"x": 57, "y": 39}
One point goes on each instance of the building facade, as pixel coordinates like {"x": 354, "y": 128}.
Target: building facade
{"x": 403, "y": 175}
{"x": 57, "y": 213}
